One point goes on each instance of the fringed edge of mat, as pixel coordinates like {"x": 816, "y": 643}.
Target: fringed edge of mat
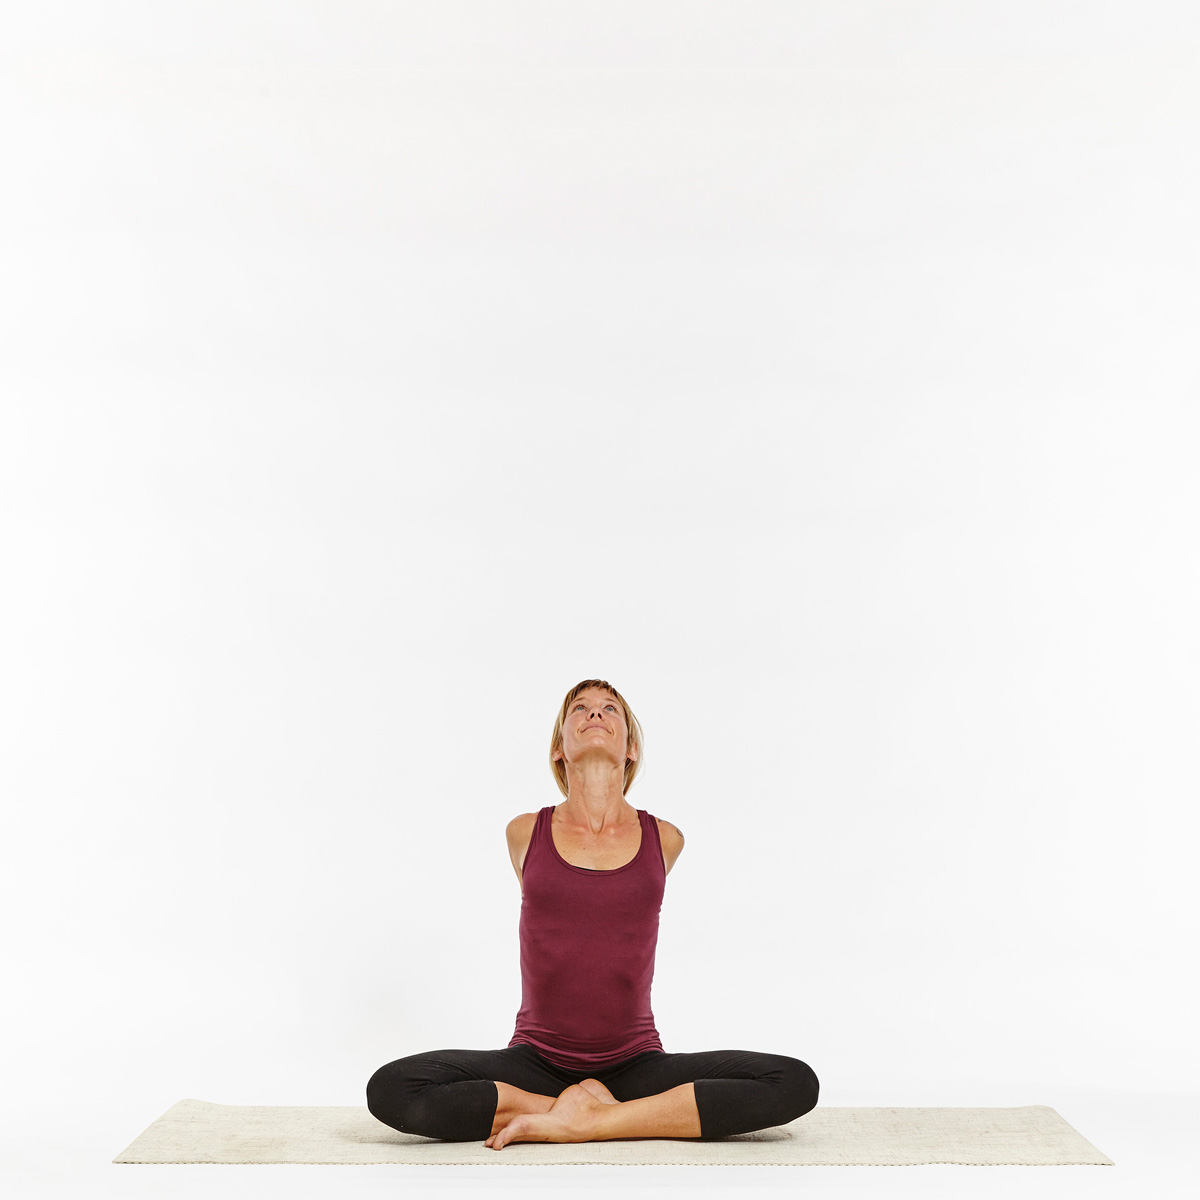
{"x": 408, "y": 1162}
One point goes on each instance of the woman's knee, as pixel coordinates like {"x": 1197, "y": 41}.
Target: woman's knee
{"x": 800, "y": 1085}
{"x": 388, "y": 1092}
{"x": 420, "y": 1095}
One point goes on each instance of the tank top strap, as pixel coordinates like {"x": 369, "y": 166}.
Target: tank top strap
{"x": 654, "y": 842}
{"x": 545, "y": 837}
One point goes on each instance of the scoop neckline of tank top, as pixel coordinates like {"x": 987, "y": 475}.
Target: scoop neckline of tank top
{"x": 594, "y": 870}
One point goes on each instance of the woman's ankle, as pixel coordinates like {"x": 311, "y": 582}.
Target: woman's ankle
{"x": 512, "y": 1102}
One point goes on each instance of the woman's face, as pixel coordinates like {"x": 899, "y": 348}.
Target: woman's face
{"x": 595, "y": 727}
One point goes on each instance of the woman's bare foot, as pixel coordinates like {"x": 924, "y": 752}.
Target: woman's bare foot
{"x": 599, "y": 1090}
{"x": 571, "y": 1119}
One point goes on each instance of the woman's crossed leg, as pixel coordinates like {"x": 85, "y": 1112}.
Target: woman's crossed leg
{"x": 515, "y": 1094}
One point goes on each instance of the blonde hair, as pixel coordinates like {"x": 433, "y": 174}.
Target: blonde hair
{"x": 559, "y": 766}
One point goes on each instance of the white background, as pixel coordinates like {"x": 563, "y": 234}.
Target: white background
{"x": 823, "y": 375}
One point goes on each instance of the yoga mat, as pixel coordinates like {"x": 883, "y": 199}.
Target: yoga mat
{"x": 196, "y": 1131}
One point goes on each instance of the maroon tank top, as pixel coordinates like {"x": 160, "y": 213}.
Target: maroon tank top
{"x": 588, "y": 939}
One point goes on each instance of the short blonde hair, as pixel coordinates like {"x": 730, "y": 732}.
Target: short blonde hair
{"x": 559, "y": 766}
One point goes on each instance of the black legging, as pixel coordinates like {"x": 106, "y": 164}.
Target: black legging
{"x": 452, "y": 1094}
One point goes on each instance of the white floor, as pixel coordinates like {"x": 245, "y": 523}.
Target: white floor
{"x": 1152, "y": 1139}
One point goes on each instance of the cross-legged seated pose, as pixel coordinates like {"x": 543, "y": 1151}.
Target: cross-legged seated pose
{"x": 585, "y": 1062}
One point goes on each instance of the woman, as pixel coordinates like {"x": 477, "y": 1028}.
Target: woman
{"x": 585, "y": 1062}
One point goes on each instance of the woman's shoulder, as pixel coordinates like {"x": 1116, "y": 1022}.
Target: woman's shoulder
{"x": 672, "y": 842}
{"x": 522, "y": 825}
{"x": 519, "y": 833}
{"x": 669, "y": 833}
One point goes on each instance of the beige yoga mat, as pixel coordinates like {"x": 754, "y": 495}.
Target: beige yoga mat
{"x": 195, "y": 1131}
